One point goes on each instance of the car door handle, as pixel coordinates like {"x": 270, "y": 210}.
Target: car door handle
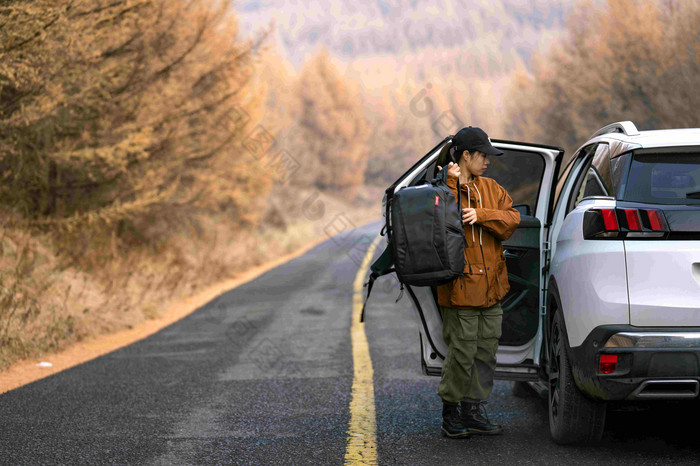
{"x": 511, "y": 255}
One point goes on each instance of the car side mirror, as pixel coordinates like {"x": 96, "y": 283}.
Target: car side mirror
{"x": 524, "y": 209}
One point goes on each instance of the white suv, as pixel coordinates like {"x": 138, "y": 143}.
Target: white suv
{"x": 604, "y": 272}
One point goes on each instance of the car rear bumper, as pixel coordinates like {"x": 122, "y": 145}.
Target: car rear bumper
{"x": 652, "y": 363}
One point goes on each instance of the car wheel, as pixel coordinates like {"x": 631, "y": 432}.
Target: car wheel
{"x": 573, "y": 417}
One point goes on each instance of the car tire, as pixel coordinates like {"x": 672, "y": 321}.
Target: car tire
{"x": 573, "y": 417}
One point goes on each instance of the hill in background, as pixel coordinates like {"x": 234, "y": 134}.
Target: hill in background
{"x": 424, "y": 68}
{"x": 507, "y": 31}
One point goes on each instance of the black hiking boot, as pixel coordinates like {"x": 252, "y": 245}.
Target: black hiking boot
{"x": 473, "y": 417}
{"x": 452, "y": 426}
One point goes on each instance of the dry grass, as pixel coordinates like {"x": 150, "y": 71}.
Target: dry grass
{"x": 46, "y": 306}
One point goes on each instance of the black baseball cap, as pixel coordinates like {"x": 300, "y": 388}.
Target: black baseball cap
{"x": 471, "y": 139}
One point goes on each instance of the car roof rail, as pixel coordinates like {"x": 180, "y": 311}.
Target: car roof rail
{"x": 625, "y": 127}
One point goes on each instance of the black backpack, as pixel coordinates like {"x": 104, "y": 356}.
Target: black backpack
{"x": 426, "y": 236}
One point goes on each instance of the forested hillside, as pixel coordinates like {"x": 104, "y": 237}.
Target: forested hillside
{"x": 424, "y": 68}
{"x": 627, "y": 60}
{"x": 499, "y": 31}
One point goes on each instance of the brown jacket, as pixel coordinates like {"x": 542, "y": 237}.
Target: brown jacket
{"x": 487, "y": 281}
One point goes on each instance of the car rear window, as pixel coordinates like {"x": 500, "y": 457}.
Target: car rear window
{"x": 668, "y": 178}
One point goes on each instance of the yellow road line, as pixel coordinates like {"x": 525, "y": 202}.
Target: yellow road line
{"x": 362, "y": 430}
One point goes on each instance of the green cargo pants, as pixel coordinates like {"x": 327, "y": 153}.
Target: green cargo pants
{"x": 472, "y": 340}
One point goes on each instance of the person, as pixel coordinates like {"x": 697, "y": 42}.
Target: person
{"x": 470, "y": 304}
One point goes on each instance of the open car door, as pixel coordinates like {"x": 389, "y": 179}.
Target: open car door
{"x": 528, "y": 173}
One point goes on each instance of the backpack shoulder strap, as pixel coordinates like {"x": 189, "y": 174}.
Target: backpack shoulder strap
{"x": 382, "y": 266}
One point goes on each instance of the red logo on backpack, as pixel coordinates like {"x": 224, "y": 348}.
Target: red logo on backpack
{"x": 437, "y": 200}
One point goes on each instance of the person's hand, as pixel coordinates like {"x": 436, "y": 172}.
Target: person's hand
{"x": 452, "y": 170}
{"x": 469, "y": 216}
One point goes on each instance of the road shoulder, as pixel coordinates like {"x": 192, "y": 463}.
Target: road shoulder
{"x": 28, "y": 371}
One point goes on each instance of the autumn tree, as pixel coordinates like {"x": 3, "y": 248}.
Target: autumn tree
{"x": 332, "y": 128}
{"x": 125, "y": 115}
{"x": 409, "y": 119}
{"x": 626, "y": 60}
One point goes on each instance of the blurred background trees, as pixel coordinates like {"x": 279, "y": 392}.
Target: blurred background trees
{"x": 622, "y": 60}
{"x": 333, "y": 129}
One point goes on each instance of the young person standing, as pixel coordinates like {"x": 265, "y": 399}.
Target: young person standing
{"x": 470, "y": 305}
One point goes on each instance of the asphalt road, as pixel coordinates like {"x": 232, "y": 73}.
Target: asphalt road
{"x": 263, "y": 375}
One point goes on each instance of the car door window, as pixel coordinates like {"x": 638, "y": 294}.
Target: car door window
{"x": 588, "y": 182}
{"x": 520, "y": 173}
{"x": 562, "y": 179}
{"x": 601, "y": 165}
{"x": 619, "y": 166}
{"x": 592, "y": 185}
{"x": 597, "y": 181}
{"x": 423, "y": 176}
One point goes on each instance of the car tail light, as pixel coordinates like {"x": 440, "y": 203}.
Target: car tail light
{"x": 656, "y": 220}
{"x": 607, "y": 364}
{"x": 633, "y": 222}
{"x": 627, "y": 223}
{"x": 609, "y": 220}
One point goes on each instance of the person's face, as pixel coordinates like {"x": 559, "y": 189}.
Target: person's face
{"x": 476, "y": 163}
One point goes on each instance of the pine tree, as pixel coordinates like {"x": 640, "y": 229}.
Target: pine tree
{"x": 124, "y": 113}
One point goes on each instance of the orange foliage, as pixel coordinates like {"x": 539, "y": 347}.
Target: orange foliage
{"x": 125, "y": 113}
{"x": 627, "y": 60}
{"x": 332, "y": 128}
